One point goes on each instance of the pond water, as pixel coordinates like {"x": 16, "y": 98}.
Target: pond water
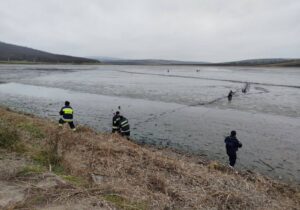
{"x": 184, "y": 107}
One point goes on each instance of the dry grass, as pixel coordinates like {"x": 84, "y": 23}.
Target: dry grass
{"x": 148, "y": 178}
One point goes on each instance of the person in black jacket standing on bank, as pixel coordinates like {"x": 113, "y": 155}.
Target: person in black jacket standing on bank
{"x": 232, "y": 146}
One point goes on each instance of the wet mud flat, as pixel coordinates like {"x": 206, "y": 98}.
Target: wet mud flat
{"x": 183, "y": 117}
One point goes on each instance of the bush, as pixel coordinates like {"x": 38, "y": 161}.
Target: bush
{"x": 8, "y": 136}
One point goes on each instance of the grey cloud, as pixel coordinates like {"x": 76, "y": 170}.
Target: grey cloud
{"x": 204, "y": 30}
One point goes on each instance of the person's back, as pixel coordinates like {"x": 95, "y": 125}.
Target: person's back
{"x": 67, "y": 115}
{"x": 116, "y": 122}
{"x": 124, "y": 126}
{"x": 232, "y": 145}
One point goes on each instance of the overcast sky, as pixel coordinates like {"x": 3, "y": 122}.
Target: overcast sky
{"x": 200, "y": 30}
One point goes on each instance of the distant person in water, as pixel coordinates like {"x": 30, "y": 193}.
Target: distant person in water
{"x": 66, "y": 113}
{"x": 230, "y": 94}
{"x": 116, "y": 122}
{"x": 232, "y": 146}
{"x": 246, "y": 87}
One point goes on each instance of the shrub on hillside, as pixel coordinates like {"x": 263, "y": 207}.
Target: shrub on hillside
{"x": 8, "y": 136}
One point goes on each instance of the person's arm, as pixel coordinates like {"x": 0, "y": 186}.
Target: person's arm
{"x": 61, "y": 112}
{"x": 226, "y": 140}
{"x": 239, "y": 143}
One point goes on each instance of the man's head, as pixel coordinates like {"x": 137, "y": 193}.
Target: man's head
{"x": 233, "y": 133}
{"x": 67, "y": 103}
{"x": 117, "y": 113}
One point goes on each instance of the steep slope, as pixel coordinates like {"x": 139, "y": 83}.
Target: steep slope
{"x": 105, "y": 170}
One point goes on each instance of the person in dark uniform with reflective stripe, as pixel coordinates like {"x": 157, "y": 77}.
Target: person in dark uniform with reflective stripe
{"x": 124, "y": 126}
{"x": 232, "y": 146}
{"x": 67, "y": 116}
{"x": 116, "y": 122}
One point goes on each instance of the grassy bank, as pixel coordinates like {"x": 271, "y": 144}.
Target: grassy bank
{"x": 118, "y": 173}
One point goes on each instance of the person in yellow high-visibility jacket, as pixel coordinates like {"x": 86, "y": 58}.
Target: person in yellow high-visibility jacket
{"x": 67, "y": 116}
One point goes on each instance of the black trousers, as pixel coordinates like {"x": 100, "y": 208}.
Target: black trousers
{"x": 71, "y": 124}
{"x": 125, "y": 133}
{"x": 232, "y": 158}
{"x": 114, "y": 130}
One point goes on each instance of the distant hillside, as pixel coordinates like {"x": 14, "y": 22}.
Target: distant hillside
{"x": 10, "y": 53}
{"x": 264, "y": 62}
{"x": 149, "y": 62}
{"x": 269, "y": 62}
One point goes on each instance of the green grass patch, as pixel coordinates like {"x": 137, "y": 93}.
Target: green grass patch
{"x": 46, "y": 158}
{"x": 75, "y": 180}
{"x": 41, "y": 157}
{"x": 34, "y": 131}
{"x": 20, "y": 148}
{"x": 124, "y": 203}
{"x": 8, "y": 135}
{"x": 58, "y": 169}
{"x": 33, "y": 169}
